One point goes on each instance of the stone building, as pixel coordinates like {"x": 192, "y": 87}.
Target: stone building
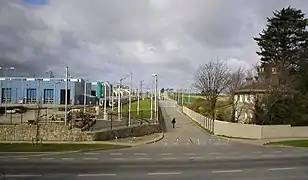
{"x": 246, "y": 96}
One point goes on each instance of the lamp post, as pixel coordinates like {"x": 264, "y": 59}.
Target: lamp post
{"x": 151, "y": 96}
{"x": 66, "y": 95}
{"x": 130, "y": 98}
{"x": 189, "y": 91}
{"x": 7, "y": 88}
{"x": 105, "y": 99}
{"x": 155, "y": 96}
{"x": 139, "y": 89}
{"x": 84, "y": 97}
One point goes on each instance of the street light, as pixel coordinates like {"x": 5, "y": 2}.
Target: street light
{"x": 105, "y": 99}
{"x": 84, "y": 97}
{"x": 155, "y": 98}
{"x": 139, "y": 88}
{"x": 7, "y": 89}
{"x": 66, "y": 94}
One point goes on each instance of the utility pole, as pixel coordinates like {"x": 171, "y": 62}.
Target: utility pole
{"x": 66, "y": 94}
{"x": 130, "y": 98}
{"x": 85, "y": 97}
{"x": 151, "y": 96}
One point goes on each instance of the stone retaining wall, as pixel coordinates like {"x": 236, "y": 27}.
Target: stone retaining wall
{"x": 50, "y": 132}
{"x": 59, "y": 132}
{"x": 134, "y": 131}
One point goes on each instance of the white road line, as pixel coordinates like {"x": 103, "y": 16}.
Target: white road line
{"x": 95, "y": 175}
{"x": 196, "y": 157}
{"x": 277, "y": 152}
{"x": 168, "y": 158}
{"x": 91, "y": 153}
{"x": 256, "y": 152}
{"x": 190, "y": 154}
{"x": 116, "y": 154}
{"x": 222, "y": 157}
{"x": 228, "y": 171}
{"x": 68, "y": 159}
{"x": 90, "y": 158}
{"x": 47, "y": 158}
{"x": 213, "y": 153}
{"x": 281, "y": 169}
{"x": 140, "y": 154}
{"x": 142, "y": 158}
{"x": 164, "y": 173}
{"x": 166, "y": 154}
{"x": 22, "y": 175}
{"x": 118, "y": 158}
{"x": 22, "y": 158}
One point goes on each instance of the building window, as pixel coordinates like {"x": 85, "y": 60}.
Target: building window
{"x": 6, "y": 95}
{"x": 235, "y": 98}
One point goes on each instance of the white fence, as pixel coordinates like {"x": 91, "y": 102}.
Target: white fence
{"x": 247, "y": 130}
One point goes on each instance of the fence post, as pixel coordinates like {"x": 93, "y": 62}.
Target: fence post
{"x": 111, "y": 121}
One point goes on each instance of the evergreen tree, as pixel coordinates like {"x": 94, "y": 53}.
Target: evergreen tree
{"x": 284, "y": 38}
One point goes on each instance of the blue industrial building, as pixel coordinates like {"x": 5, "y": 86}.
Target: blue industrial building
{"x": 48, "y": 90}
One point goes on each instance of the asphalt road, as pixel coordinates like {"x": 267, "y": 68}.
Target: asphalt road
{"x": 261, "y": 169}
{"x": 186, "y": 152}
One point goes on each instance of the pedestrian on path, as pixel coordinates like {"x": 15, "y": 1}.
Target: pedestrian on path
{"x": 173, "y": 123}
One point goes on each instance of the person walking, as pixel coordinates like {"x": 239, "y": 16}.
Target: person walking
{"x": 173, "y": 123}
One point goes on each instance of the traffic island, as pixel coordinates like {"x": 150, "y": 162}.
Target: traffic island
{"x": 53, "y": 147}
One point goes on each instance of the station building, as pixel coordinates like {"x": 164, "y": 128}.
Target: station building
{"x": 23, "y": 90}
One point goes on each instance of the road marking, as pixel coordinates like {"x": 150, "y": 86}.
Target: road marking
{"x": 164, "y": 173}
{"x": 95, "y": 175}
{"x": 142, "y": 158}
{"x": 256, "y": 152}
{"x": 118, "y": 158}
{"x": 22, "y": 175}
{"x": 214, "y": 153}
{"x": 90, "y": 158}
{"x": 168, "y": 158}
{"x": 228, "y": 171}
{"x": 91, "y": 153}
{"x": 196, "y": 157}
{"x": 140, "y": 154}
{"x": 68, "y": 159}
{"x": 165, "y": 154}
{"x": 190, "y": 154}
{"x": 47, "y": 158}
{"x": 222, "y": 157}
{"x": 22, "y": 158}
{"x": 281, "y": 169}
{"x": 277, "y": 152}
{"x": 116, "y": 154}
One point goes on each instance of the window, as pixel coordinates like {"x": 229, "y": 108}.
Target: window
{"x": 245, "y": 115}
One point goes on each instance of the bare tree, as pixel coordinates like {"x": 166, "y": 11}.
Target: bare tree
{"x": 212, "y": 79}
{"x": 236, "y": 81}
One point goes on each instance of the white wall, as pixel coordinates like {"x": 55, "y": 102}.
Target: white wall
{"x": 247, "y": 130}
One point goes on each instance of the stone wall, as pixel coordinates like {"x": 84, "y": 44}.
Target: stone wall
{"x": 134, "y": 131}
{"x": 46, "y": 132}
{"x": 59, "y": 132}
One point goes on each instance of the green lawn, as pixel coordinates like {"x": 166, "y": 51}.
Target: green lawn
{"x": 28, "y": 147}
{"x": 294, "y": 143}
{"x": 145, "y": 109}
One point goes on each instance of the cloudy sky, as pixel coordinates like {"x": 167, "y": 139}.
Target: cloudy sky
{"x": 106, "y": 39}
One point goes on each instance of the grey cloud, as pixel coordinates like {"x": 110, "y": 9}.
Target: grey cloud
{"x": 106, "y": 39}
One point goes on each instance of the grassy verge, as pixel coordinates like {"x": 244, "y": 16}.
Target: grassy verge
{"x": 28, "y": 147}
{"x": 294, "y": 143}
{"x": 145, "y": 109}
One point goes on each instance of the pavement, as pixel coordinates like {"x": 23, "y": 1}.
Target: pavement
{"x": 185, "y": 152}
